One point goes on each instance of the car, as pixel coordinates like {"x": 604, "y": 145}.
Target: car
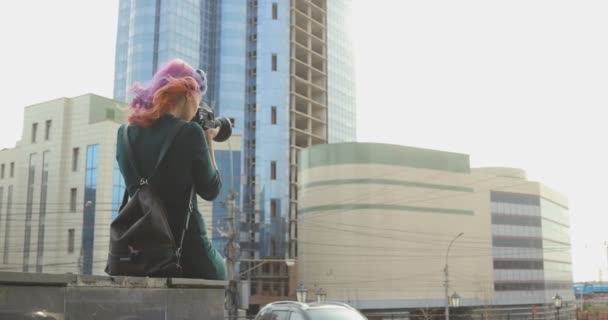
{"x": 291, "y": 310}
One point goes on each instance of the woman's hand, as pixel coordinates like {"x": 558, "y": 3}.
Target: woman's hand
{"x": 212, "y": 133}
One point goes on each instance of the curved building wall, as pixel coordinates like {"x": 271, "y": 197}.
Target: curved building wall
{"x": 375, "y": 220}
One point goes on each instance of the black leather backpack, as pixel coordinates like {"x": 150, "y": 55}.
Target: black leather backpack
{"x": 141, "y": 241}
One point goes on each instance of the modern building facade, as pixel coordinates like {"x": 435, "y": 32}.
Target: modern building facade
{"x": 375, "y": 222}
{"x": 60, "y": 187}
{"x": 60, "y": 194}
{"x": 282, "y": 69}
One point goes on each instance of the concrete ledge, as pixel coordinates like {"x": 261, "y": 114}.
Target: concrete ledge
{"x": 82, "y": 297}
{"x": 32, "y": 279}
{"x": 195, "y": 283}
{"x": 73, "y": 280}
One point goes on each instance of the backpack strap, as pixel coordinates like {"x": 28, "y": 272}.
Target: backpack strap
{"x": 130, "y": 153}
{"x": 178, "y": 254}
{"x": 125, "y": 199}
{"x": 163, "y": 151}
{"x": 166, "y": 145}
{"x": 131, "y": 157}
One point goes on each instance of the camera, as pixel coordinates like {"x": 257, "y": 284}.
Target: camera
{"x": 205, "y": 118}
{"x": 204, "y": 115}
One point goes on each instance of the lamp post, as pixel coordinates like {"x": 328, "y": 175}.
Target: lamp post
{"x": 321, "y": 295}
{"x": 455, "y": 300}
{"x": 557, "y": 299}
{"x": 447, "y": 282}
{"x": 581, "y": 295}
{"x": 302, "y": 293}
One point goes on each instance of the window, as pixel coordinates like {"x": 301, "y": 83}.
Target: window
{"x": 75, "y": 153}
{"x": 110, "y": 114}
{"x": 518, "y": 286}
{"x": 273, "y": 170}
{"x": 71, "y": 233}
{"x": 29, "y": 211}
{"x": 320, "y": 314}
{"x": 275, "y": 11}
{"x": 273, "y": 115}
{"x": 47, "y": 130}
{"x": 273, "y": 208}
{"x": 2, "y": 171}
{"x": 42, "y": 211}
{"x": 1, "y": 197}
{"x": 280, "y": 314}
{"x": 517, "y": 242}
{"x": 519, "y": 264}
{"x": 516, "y": 220}
{"x": 7, "y": 225}
{"x": 118, "y": 189}
{"x": 254, "y": 288}
{"x": 34, "y": 131}
{"x": 518, "y": 198}
{"x": 296, "y": 316}
{"x": 12, "y": 170}
{"x": 274, "y": 62}
{"x": 273, "y": 247}
{"x": 73, "y": 200}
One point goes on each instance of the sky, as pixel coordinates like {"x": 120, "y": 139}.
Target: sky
{"x": 512, "y": 83}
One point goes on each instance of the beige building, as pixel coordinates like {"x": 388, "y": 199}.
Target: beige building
{"x": 60, "y": 187}
{"x": 375, "y": 222}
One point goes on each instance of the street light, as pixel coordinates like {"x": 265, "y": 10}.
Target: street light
{"x": 302, "y": 293}
{"x": 582, "y": 303}
{"x": 321, "y": 295}
{"x": 557, "y": 300}
{"x": 455, "y": 300}
{"x": 447, "y": 282}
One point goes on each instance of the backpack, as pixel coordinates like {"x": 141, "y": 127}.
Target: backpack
{"x": 141, "y": 241}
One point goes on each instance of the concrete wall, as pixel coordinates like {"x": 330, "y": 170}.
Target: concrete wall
{"x": 64, "y": 297}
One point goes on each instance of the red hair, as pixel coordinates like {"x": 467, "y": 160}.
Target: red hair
{"x": 165, "y": 100}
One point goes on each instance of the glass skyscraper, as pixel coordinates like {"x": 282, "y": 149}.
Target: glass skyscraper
{"x": 341, "y": 78}
{"x": 282, "y": 69}
{"x": 151, "y": 32}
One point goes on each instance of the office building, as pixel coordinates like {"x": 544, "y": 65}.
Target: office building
{"x": 60, "y": 187}
{"x": 284, "y": 70}
{"x": 375, "y": 222}
{"x": 61, "y": 193}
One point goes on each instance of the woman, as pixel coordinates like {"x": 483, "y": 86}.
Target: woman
{"x": 173, "y": 96}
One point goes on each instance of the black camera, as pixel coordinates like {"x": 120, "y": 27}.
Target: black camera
{"x": 205, "y": 117}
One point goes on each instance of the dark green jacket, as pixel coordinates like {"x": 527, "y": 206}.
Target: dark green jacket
{"x": 186, "y": 163}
